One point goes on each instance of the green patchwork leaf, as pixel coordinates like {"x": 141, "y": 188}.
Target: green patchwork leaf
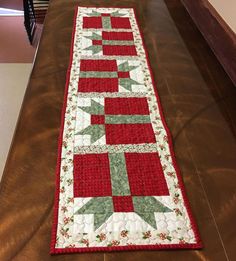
{"x": 127, "y": 83}
{"x": 95, "y": 131}
{"x": 94, "y": 36}
{"x": 101, "y": 207}
{"x": 94, "y": 48}
{"x": 100, "y": 219}
{"x": 146, "y": 206}
{"x": 117, "y": 14}
{"x": 125, "y": 67}
{"x": 94, "y": 13}
{"x": 95, "y": 108}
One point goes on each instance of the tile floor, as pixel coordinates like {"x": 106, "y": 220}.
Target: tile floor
{"x": 16, "y": 57}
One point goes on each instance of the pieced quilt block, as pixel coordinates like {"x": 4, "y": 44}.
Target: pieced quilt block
{"x": 111, "y": 76}
{"x": 108, "y": 43}
{"x": 113, "y": 121}
{"x": 123, "y": 174}
{"x": 106, "y": 21}
{"x": 118, "y": 187}
{"x": 116, "y": 179}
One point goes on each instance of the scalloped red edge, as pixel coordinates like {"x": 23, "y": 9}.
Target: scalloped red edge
{"x": 53, "y": 250}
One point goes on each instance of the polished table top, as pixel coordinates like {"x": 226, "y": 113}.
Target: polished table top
{"x": 199, "y": 103}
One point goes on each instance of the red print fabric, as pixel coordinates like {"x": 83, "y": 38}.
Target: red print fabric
{"x": 129, "y": 133}
{"x": 126, "y": 106}
{"x": 116, "y": 22}
{"x": 98, "y": 65}
{"x": 120, "y": 22}
{"x": 98, "y": 85}
{"x": 123, "y": 75}
{"x": 123, "y": 36}
{"x": 123, "y": 204}
{"x": 145, "y": 174}
{"x": 92, "y": 175}
{"x": 119, "y": 50}
{"x": 92, "y": 22}
{"x": 97, "y": 119}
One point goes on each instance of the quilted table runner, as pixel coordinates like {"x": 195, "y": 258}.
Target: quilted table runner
{"x": 118, "y": 187}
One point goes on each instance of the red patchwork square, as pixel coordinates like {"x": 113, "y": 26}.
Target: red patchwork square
{"x": 126, "y": 106}
{"x": 97, "y": 119}
{"x": 119, "y": 50}
{"x": 97, "y": 42}
{"x": 125, "y": 36}
{"x": 129, "y": 133}
{"x": 120, "y": 22}
{"x": 146, "y": 177}
{"x": 123, "y": 204}
{"x": 98, "y": 65}
{"x": 105, "y": 14}
{"x": 92, "y": 22}
{"x": 123, "y": 75}
{"x": 92, "y": 175}
{"x": 98, "y": 85}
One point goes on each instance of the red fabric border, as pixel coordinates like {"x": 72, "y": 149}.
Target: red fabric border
{"x": 53, "y": 250}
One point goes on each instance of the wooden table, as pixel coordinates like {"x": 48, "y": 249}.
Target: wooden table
{"x": 199, "y": 105}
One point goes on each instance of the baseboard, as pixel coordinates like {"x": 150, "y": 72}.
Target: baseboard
{"x": 217, "y": 33}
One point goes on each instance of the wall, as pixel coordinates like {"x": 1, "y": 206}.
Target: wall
{"x": 12, "y": 4}
{"x": 227, "y": 10}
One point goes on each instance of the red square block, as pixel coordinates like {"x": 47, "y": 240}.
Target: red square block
{"x": 98, "y": 85}
{"x": 126, "y": 106}
{"x": 129, "y": 133}
{"x": 105, "y": 14}
{"x": 123, "y": 75}
{"x": 128, "y": 50}
{"x": 120, "y": 22}
{"x": 92, "y": 22}
{"x": 125, "y": 36}
{"x": 123, "y": 204}
{"x": 146, "y": 177}
{"x": 98, "y": 65}
{"x": 92, "y": 175}
{"x": 97, "y": 119}
{"x": 97, "y": 42}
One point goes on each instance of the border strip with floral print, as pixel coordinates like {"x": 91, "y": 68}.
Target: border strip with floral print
{"x": 64, "y": 238}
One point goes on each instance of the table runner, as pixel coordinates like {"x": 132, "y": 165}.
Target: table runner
{"x": 118, "y": 186}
